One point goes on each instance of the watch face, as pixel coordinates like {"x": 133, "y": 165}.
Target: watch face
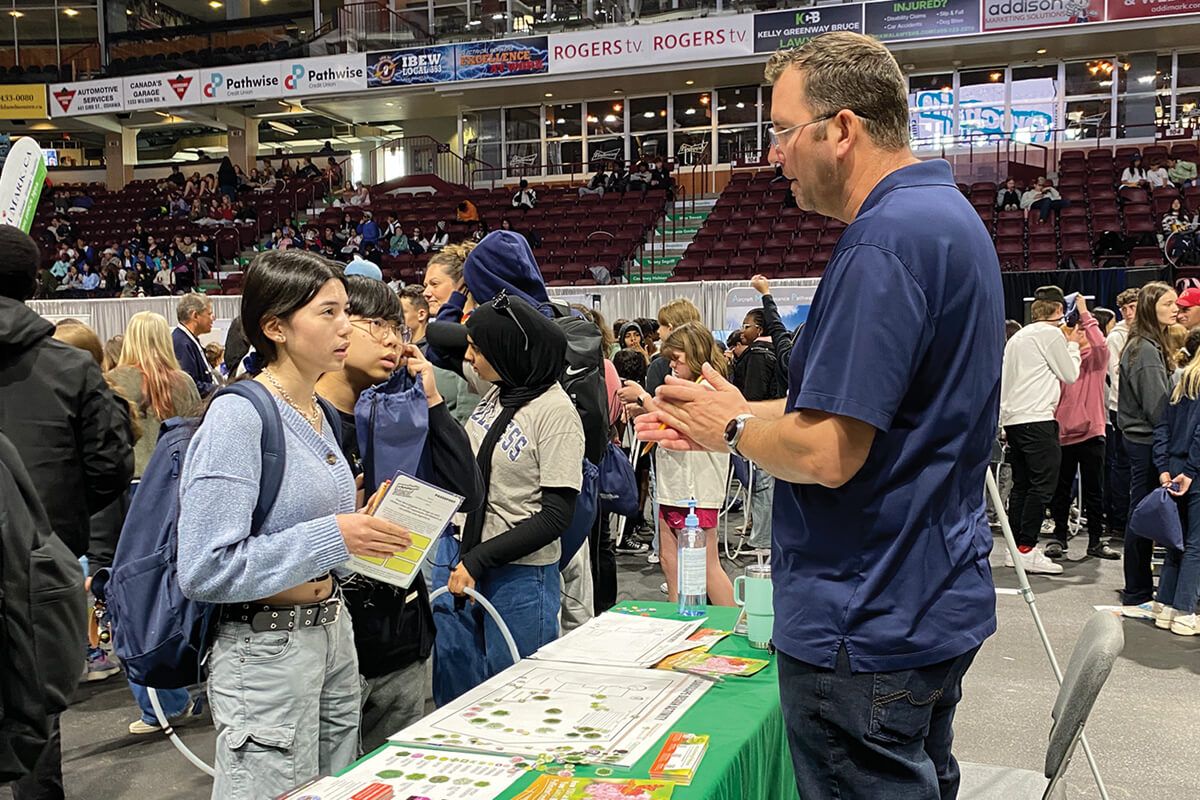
{"x": 731, "y": 429}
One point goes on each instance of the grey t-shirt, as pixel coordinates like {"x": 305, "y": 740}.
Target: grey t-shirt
{"x": 543, "y": 446}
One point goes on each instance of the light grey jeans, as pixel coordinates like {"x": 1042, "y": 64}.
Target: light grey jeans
{"x": 762, "y": 500}
{"x": 391, "y": 703}
{"x": 285, "y": 705}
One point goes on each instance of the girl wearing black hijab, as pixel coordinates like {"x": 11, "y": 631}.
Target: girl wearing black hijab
{"x": 529, "y": 443}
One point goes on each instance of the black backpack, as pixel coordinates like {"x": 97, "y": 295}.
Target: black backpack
{"x": 43, "y": 620}
{"x": 583, "y": 379}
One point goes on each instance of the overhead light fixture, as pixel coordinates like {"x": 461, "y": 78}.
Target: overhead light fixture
{"x": 995, "y": 76}
{"x": 689, "y": 83}
{"x": 215, "y": 3}
{"x": 690, "y": 111}
{"x": 649, "y": 115}
{"x": 549, "y": 94}
{"x": 389, "y": 104}
{"x": 617, "y": 107}
{"x": 129, "y": 12}
{"x": 560, "y": 121}
{"x": 741, "y": 105}
{"x": 70, "y": 12}
{"x": 16, "y": 14}
{"x": 704, "y": 100}
{"x": 282, "y": 127}
{"x": 1041, "y": 52}
{"x": 496, "y": 17}
{"x": 616, "y": 91}
{"x": 609, "y": 118}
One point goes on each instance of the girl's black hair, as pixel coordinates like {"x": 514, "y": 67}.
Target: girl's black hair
{"x": 278, "y": 283}
{"x": 372, "y": 299}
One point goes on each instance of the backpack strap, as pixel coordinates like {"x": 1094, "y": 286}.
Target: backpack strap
{"x": 274, "y": 448}
{"x": 332, "y": 418}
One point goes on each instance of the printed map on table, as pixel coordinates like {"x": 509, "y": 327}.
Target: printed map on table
{"x": 436, "y": 774}
{"x": 622, "y": 640}
{"x": 609, "y": 715}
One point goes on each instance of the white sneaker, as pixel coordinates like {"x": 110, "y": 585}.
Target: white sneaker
{"x": 1164, "y": 616}
{"x": 1185, "y": 625}
{"x": 663, "y": 588}
{"x": 1144, "y": 611}
{"x": 652, "y": 558}
{"x": 1035, "y": 562}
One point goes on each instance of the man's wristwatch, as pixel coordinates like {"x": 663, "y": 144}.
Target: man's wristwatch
{"x": 734, "y": 430}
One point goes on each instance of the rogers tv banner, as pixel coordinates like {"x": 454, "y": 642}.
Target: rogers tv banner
{"x": 640, "y": 45}
{"x": 1001, "y": 15}
{"x": 1142, "y": 9}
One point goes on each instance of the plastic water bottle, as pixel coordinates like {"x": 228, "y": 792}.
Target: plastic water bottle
{"x": 693, "y": 564}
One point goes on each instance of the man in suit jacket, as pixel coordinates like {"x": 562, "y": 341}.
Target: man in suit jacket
{"x": 195, "y": 313}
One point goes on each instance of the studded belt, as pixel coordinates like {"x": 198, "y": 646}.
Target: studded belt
{"x": 263, "y": 617}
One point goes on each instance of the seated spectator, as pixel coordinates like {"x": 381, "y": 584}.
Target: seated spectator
{"x": 353, "y": 244}
{"x": 1182, "y": 173}
{"x": 176, "y": 177}
{"x": 596, "y": 184}
{"x": 311, "y": 240}
{"x": 467, "y": 212}
{"x": 1043, "y": 198}
{"x": 440, "y": 238}
{"x": 1134, "y": 177}
{"x": 369, "y": 230}
{"x": 90, "y": 281}
{"x": 398, "y": 242}
{"x": 1008, "y": 198}
{"x": 333, "y": 172}
{"x": 417, "y": 243}
{"x": 389, "y": 227}
{"x": 63, "y": 264}
{"x": 309, "y": 169}
{"x": 639, "y": 181}
{"x": 660, "y": 176}
{"x": 285, "y": 170}
{"x": 335, "y": 239}
{"x": 1178, "y": 218}
{"x": 244, "y": 212}
{"x": 178, "y": 206}
{"x": 525, "y": 198}
{"x": 72, "y": 281}
{"x": 618, "y": 178}
{"x": 481, "y": 230}
{"x": 1157, "y": 175}
{"x": 165, "y": 276}
{"x": 362, "y": 197}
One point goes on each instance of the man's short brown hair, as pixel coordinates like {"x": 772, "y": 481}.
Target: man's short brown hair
{"x": 1044, "y": 309}
{"x": 1128, "y": 296}
{"x": 844, "y": 70}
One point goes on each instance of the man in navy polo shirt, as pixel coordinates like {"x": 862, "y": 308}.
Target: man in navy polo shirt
{"x": 883, "y": 593}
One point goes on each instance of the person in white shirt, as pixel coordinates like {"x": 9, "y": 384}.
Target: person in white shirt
{"x": 1157, "y": 175}
{"x": 1116, "y": 486}
{"x": 1036, "y": 358}
{"x": 1134, "y": 177}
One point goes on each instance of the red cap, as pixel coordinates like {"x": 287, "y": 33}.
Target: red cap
{"x": 1189, "y": 298}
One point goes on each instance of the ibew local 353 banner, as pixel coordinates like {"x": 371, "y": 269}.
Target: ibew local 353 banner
{"x": 163, "y": 90}
{"x": 87, "y": 97}
{"x": 782, "y": 30}
{"x": 325, "y": 75}
{"x": 638, "y": 46}
{"x": 414, "y": 65}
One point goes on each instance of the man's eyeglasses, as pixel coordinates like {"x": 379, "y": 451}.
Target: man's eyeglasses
{"x": 379, "y": 329}
{"x": 777, "y": 137}
{"x": 501, "y": 303}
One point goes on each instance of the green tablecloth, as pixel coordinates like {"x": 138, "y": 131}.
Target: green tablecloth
{"x": 747, "y": 756}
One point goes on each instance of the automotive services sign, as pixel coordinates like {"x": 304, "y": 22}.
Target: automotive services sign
{"x": 87, "y": 97}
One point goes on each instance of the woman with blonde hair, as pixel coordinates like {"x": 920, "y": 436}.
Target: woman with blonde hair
{"x": 148, "y": 373}
{"x": 683, "y": 476}
{"x": 1176, "y": 443}
{"x": 443, "y": 275}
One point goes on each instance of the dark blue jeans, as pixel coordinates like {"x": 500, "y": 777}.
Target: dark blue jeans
{"x": 1179, "y": 583}
{"x": 1116, "y": 479}
{"x": 872, "y": 735}
{"x": 1139, "y": 579}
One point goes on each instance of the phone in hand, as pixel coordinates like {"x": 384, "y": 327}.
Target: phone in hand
{"x": 1071, "y": 317}
{"x": 1174, "y": 487}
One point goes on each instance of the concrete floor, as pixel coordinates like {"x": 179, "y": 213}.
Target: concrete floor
{"x": 1142, "y": 730}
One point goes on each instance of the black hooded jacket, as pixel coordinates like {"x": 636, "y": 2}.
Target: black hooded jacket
{"x": 71, "y": 430}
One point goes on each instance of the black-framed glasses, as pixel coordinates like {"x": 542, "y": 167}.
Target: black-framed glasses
{"x": 501, "y": 303}
{"x": 378, "y": 329}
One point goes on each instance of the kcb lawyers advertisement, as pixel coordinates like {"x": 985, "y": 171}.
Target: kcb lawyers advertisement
{"x": 784, "y": 30}
{"x": 501, "y": 59}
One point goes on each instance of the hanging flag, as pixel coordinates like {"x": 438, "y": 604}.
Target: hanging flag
{"x": 21, "y": 183}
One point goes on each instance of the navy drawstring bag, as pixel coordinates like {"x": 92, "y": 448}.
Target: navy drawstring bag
{"x": 618, "y": 484}
{"x": 1157, "y": 518}
{"x": 392, "y": 421}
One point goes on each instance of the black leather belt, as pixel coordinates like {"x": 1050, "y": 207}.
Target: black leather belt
{"x": 262, "y": 617}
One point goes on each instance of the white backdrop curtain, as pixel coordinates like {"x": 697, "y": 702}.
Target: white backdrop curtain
{"x": 625, "y": 301}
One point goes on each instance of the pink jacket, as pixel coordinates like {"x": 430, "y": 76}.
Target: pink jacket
{"x": 1080, "y": 413}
